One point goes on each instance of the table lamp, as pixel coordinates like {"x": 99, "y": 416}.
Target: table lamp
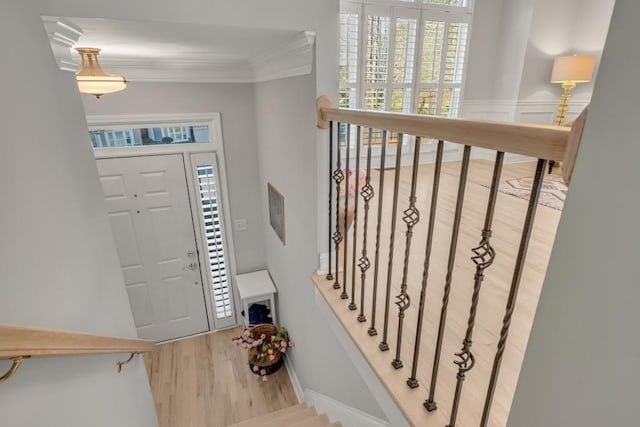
{"x": 570, "y": 70}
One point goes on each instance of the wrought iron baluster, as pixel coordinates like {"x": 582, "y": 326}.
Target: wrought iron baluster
{"x": 345, "y": 246}
{"x": 356, "y": 192}
{"x": 515, "y": 284}
{"x": 430, "y": 403}
{"x": 372, "y": 331}
{"x": 384, "y": 345}
{"x": 412, "y": 382}
{"x": 338, "y": 177}
{"x": 483, "y": 257}
{"x": 329, "y": 274}
{"x": 364, "y": 263}
{"x": 411, "y": 216}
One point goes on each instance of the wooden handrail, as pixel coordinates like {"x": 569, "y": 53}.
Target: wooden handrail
{"x": 540, "y": 141}
{"x": 17, "y": 341}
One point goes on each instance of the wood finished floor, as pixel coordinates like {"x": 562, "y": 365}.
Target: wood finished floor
{"x": 507, "y": 228}
{"x": 204, "y": 381}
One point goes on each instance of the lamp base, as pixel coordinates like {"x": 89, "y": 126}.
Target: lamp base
{"x": 563, "y": 107}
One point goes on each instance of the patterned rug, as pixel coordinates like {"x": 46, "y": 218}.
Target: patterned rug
{"x": 553, "y": 192}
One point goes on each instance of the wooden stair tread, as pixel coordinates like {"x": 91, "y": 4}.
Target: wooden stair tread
{"x": 271, "y": 416}
{"x": 299, "y": 415}
{"x": 317, "y": 421}
{"x": 292, "y": 418}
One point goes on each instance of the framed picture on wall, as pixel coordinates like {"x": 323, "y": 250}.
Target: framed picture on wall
{"x": 276, "y": 211}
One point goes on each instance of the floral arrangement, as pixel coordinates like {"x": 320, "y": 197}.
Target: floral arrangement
{"x": 264, "y": 349}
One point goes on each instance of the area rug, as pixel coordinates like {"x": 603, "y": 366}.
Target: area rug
{"x": 553, "y": 192}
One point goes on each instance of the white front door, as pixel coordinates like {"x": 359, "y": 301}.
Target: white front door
{"x": 148, "y": 206}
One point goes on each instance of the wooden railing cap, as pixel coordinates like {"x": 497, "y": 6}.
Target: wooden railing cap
{"x": 539, "y": 141}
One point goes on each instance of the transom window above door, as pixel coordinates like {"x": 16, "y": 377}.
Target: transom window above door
{"x": 149, "y": 135}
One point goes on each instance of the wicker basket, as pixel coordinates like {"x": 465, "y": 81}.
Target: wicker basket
{"x": 270, "y": 366}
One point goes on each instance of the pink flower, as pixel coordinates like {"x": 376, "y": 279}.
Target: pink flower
{"x": 270, "y": 351}
{"x": 283, "y": 349}
{"x": 273, "y": 338}
{"x": 263, "y": 336}
{"x": 263, "y": 372}
{"x": 283, "y": 343}
{"x": 272, "y": 357}
{"x": 255, "y": 368}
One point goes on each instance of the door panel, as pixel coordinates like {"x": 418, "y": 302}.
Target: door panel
{"x": 148, "y": 207}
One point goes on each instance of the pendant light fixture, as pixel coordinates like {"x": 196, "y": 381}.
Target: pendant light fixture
{"x": 94, "y": 80}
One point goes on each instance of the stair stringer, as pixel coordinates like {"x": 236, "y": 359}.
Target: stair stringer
{"x": 392, "y": 412}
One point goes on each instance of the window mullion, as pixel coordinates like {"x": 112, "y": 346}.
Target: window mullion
{"x": 363, "y": 37}
{"x": 417, "y": 63}
{"x": 391, "y": 52}
{"x": 443, "y": 65}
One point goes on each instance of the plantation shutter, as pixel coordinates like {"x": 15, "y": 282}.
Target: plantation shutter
{"x": 213, "y": 232}
{"x": 404, "y": 59}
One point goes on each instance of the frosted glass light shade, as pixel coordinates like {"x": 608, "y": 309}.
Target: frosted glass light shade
{"x": 574, "y": 68}
{"x": 92, "y": 79}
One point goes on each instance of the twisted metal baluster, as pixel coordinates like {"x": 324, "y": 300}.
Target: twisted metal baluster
{"x": 363, "y": 262}
{"x": 329, "y": 275}
{"x": 430, "y": 403}
{"x": 483, "y": 258}
{"x": 352, "y": 304}
{"x": 411, "y": 216}
{"x": 384, "y": 345}
{"x": 412, "y": 382}
{"x": 515, "y": 284}
{"x": 344, "y": 294}
{"x": 338, "y": 177}
{"x": 383, "y": 153}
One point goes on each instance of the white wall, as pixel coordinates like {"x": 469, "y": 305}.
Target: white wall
{"x": 562, "y": 28}
{"x": 514, "y": 26}
{"x": 508, "y": 72}
{"x": 58, "y": 265}
{"x": 318, "y": 360}
{"x": 285, "y": 120}
{"x": 235, "y": 103}
{"x": 483, "y": 54}
{"x": 580, "y": 368}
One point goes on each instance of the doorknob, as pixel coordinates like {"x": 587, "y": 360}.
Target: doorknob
{"x": 191, "y": 266}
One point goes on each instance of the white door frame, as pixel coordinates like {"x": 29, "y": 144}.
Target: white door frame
{"x": 215, "y": 146}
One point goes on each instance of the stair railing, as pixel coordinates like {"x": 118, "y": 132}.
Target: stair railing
{"x": 18, "y": 343}
{"x": 541, "y": 142}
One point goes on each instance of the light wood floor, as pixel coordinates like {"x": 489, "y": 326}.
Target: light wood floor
{"x": 507, "y": 227}
{"x": 205, "y": 382}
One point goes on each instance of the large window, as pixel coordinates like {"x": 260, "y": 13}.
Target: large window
{"x": 403, "y": 56}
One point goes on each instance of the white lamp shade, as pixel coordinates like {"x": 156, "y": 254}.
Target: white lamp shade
{"x": 92, "y": 79}
{"x": 574, "y": 68}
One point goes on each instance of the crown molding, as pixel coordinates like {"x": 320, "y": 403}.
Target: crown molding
{"x": 292, "y": 59}
{"x": 62, "y": 37}
{"x": 189, "y": 71}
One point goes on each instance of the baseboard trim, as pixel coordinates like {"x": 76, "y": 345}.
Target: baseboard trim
{"x": 338, "y": 411}
{"x": 295, "y": 382}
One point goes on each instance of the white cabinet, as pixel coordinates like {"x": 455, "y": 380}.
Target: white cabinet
{"x": 256, "y": 287}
